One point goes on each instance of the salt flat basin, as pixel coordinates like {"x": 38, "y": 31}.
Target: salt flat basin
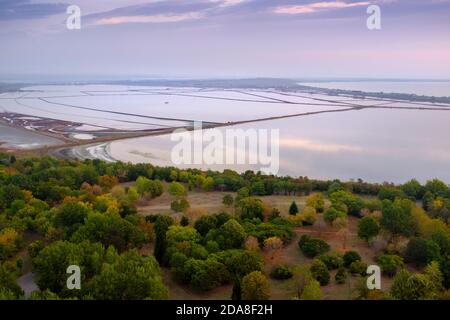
{"x": 15, "y": 138}
{"x": 374, "y": 144}
{"x": 83, "y": 136}
{"x": 139, "y": 108}
{"x": 427, "y": 88}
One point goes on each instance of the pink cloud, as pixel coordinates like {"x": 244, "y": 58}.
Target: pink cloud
{"x": 160, "y": 18}
{"x": 313, "y": 7}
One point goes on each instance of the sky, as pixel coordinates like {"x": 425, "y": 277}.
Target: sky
{"x": 224, "y": 39}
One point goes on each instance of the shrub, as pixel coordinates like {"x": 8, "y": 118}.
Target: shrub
{"x": 303, "y": 239}
{"x": 212, "y": 246}
{"x": 309, "y": 216}
{"x": 177, "y": 189}
{"x": 278, "y": 227}
{"x": 281, "y": 273}
{"x": 10, "y": 240}
{"x": 207, "y": 274}
{"x": 350, "y": 257}
{"x": 368, "y": 228}
{"x": 206, "y": 223}
{"x": 340, "y": 276}
{"x": 184, "y": 221}
{"x": 358, "y": 267}
{"x": 312, "y": 247}
{"x": 233, "y": 235}
{"x": 296, "y": 220}
{"x": 240, "y": 262}
{"x": 176, "y": 234}
{"x": 354, "y": 203}
{"x": 320, "y": 272}
{"x": 312, "y": 291}
{"x": 390, "y": 193}
{"x": 228, "y": 200}
{"x": 35, "y": 247}
{"x": 255, "y": 286}
{"x": 180, "y": 205}
{"x": 316, "y": 201}
{"x": 162, "y": 224}
{"x": 332, "y": 261}
{"x": 332, "y": 214}
{"x": 251, "y": 208}
{"x": 390, "y": 264}
{"x": 407, "y": 286}
{"x": 293, "y": 209}
{"x": 420, "y": 251}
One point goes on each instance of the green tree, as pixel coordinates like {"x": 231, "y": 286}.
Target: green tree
{"x": 331, "y": 214}
{"x": 110, "y": 230}
{"x": 408, "y": 286}
{"x": 397, "y": 218}
{"x": 390, "y": 193}
{"x": 421, "y": 251}
{"x": 129, "y": 277}
{"x": 9, "y": 289}
{"x": 162, "y": 224}
{"x": 293, "y": 209}
{"x": 437, "y": 188}
{"x": 177, "y": 234}
{"x": 258, "y": 188}
{"x": 132, "y": 194}
{"x": 312, "y": 247}
{"x": 10, "y": 241}
{"x": 316, "y": 201}
{"x": 341, "y": 276}
{"x": 241, "y": 262}
{"x": 228, "y": 200}
{"x": 206, "y": 274}
{"x": 251, "y": 208}
{"x": 350, "y": 257}
{"x": 237, "y": 292}
{"x": 51, "y": 263}
{"x": 368, "y": 228}
{"x": 72, "y": 214}
{"x": 232, "y": 235}
{"x": 255, "y": 286}
{"x": 309, "y": 216}
{"x": 242, "y": 193}
{"x": 390, "y": 264}
{"x": 413, "y": 189}
{"x": 358, "y": 268}
{"x": 312, "y": 291}
{"x": 434, "y": 275}
{"x": 143, "y": 185}
{"x": 184, "y": 221}
{"x": 206, "y": 223}
{"x": 353, "y": 203}
{"x": 320, "y": 272}
{"x": 180, "y": 205}
{"x": 176, "y": 189}
{"x": 208, "y": 184}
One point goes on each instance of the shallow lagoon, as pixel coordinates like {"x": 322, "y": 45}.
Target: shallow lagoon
{"x": 21, "y": 139}
{"x": 374, "y": 145}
